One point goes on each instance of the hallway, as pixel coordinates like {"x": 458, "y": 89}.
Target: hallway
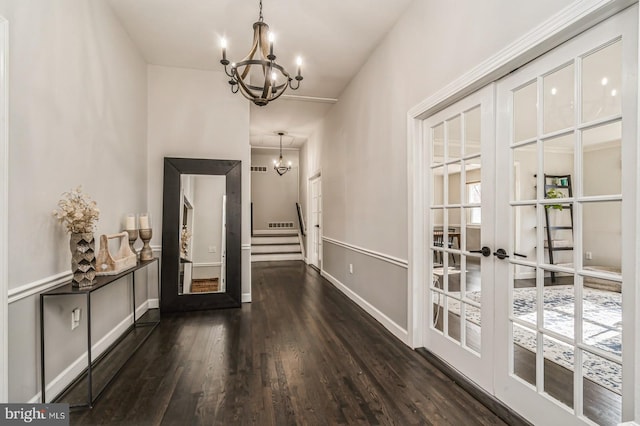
{"x": 301, "y": 353}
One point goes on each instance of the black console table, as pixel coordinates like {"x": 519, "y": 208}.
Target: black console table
{"x": 67, "y": 289}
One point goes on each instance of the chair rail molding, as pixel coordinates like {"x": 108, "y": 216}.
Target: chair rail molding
{"x": 4, "y": 210}
{"x": 574, "y": 19}
{"x": 381, "y": 256}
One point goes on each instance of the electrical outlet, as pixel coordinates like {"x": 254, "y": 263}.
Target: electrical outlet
{"x": 351, "y": 268}
{"x": 75, "y": 318}
{"x": 212, "y": 249}
{"x": 588, "y": 255}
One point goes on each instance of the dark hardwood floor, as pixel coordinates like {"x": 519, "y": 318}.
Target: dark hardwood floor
{"x": 301, "y": 353}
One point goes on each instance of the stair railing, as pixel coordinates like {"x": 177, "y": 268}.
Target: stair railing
{"x": 301, "y": 220}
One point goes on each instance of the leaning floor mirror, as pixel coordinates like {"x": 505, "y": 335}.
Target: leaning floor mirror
{"x": 201, "y": 234}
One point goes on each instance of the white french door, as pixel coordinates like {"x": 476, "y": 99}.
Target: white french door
{"x": 460, "y": 222}
{"x": 567, "y": 173}
{"x": 315, "y": 232}
{"x": 540, "y": 171}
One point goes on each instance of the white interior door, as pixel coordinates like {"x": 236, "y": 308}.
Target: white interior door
{"x": 567, "y": 173}
{"x": 460, "y": 150}
{"x": 315, "y": 231}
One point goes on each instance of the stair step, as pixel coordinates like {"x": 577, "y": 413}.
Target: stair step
{"x": 276, "y": 248}
{"x": 275, "y": 239}
{"x": 269, "y": 257}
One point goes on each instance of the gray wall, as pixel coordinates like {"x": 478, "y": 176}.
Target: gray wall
{"x": 360, "y": 146}
{"x": 78, "y": 110}
{"x": 273, "y": 196}
{"x": 378, "y": 282}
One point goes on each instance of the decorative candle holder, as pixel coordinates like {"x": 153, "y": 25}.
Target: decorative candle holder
{"x": 145, "y": 236}
{"x": 133, "y": 237}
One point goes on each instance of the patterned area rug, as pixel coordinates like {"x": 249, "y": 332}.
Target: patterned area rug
{"x": 602, "y": 328}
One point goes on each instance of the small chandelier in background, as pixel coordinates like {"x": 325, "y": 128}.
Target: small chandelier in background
{"x": 278, "y": 165}
{"x": 240, "y": 72}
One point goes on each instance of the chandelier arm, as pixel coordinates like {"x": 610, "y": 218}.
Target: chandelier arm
{"x": 253, "y": 50}
{"x": 227, "y": 73}
{"x": 266, "y": 90}
{"x": 290, "y": 84}
{"x": 246, "y": 91}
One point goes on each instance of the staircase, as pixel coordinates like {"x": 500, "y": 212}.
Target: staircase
{"x": 274, "y": 247}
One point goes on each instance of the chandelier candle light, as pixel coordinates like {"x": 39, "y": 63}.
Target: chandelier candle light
{"x": 240, "y": 72}
{"x": 278, "y": 165}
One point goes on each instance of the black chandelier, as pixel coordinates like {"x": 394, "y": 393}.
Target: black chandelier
{"x": 240, "y": 72}
{"x": 279, "y": 166}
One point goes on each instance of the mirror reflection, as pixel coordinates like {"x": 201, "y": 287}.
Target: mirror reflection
{"x": 202, "y": 234}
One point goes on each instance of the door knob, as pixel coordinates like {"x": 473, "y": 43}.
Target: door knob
{"x": 486, "y": 251}
{"x": 317, "y": 226}
{"x": 502, "y": 254}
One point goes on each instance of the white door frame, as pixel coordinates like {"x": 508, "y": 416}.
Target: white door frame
{"x": 570, "y": 21}
{"x": 4, "y": 210}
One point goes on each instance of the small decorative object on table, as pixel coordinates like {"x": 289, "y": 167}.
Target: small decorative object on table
{"x": 79, "y": 215}
{"x": 109, "y": 264}
{"x": 185, "y": 237}
{"x": 145, "y": 236}
{"x": 131, "y": 226}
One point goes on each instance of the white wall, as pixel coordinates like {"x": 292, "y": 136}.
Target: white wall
{"x": 207, "y": 217}
{"x": 77, "y": 117}
{"x": 193, "y": 114}
{"x": 274, "y": 197}
{"x": 363, "y": 143}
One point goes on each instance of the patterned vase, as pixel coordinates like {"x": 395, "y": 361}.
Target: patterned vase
{"x": 83, "y": 259}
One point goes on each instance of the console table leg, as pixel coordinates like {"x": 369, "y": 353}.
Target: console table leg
{"x": 133, "y": 286}
{"x": 42, "y": 378}
{"x": 89, "y": 367}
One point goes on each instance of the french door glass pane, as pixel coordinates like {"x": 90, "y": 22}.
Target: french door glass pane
{"x": 437, "y": 144}
{"x": 602, "y": 150}
{"x": 602, "y": 314}
{"x": 472, "y": 132}
{"x": 524, "y": 231}
{"x": 602, "y": 236}
{"x": 558, "y": 95}
{"x": 525, "y": 345}
{"x": 438, "y": 185}
{"x": 558, "y": 374}
{"x": 454, "y": 183}
{"x": 525, "y": 299}
{"x": 601, "y": 83}
{"x": 454, "y": 138}
{"x": 525, "y": 168}
{"x": 525, "y": 112}
{"x": 602, "y": 386}
{"x": 473, "y": 333}
{"x": 559, "y": 305}
{"x": 558, "y": 158}
{"x": 454, "y": 315}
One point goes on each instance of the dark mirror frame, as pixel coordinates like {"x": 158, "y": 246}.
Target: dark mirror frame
{"x": 171, "y": 301}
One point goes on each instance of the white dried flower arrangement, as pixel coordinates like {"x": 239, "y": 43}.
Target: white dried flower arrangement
{"x": 77, "y": 212}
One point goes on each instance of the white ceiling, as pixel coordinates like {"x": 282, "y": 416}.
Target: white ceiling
{"x": 334, "y": 38}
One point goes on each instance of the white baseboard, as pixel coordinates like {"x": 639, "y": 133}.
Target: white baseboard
{"x": 246, "y": 297}
{"x": 60, "y": 382}
{"x": 388, "y": 323}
